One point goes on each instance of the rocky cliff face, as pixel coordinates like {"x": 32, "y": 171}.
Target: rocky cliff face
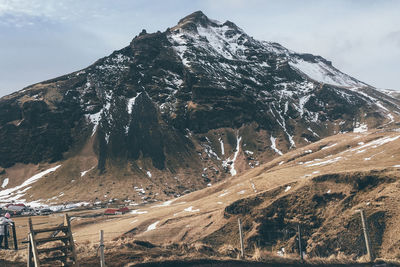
{"x": 198, "y": 102}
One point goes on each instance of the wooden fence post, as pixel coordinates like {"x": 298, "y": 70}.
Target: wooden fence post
{"x": 241, "y": 239}
{"x": 14, "y": 237}
{"x": 30, "y": 253}
{"x": 366, "y": 237}
{"x": 102, "y": 261}
{"x": 5, "y": 236}
{"x": 299, "y": 236}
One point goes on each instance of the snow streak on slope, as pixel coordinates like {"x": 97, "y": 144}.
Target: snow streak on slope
{"x": 152, "y": 226}
{"x": 5, "y": 183}
{"x": 273, "y": 146}
{"x": 230, "y": 163}
{"x": 16, "y": 192}
{"x": 324, "y": 73}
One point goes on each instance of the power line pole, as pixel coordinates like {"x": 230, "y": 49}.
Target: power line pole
{"x": 241, "y": 239}
{"x": 366, "y": 238}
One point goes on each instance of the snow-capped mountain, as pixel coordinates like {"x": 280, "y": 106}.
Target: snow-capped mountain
{"x": 180, "y": 109}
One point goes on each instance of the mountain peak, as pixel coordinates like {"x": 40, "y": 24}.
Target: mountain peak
{"x": 195, "y": 19}
{"x": 193, "y": 105}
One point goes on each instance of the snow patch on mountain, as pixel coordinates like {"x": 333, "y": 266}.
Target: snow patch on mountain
{"x": 18, "y": 191}
{"x": 152, "y": 226}
{"x": 94, "y": 119}
{"x": 5, "y": 183}
{"x": 131, "y": 102}
{"x": 273, "y": 145}
{"x": 233, "y": 171}
{"x": 360, "y": 128}
{"x": 326, "y": 162}
{"x": 83, "y": 173}
{"x": 190, "y": 209}
{"x": 321, "y": 72}
{"x": 222, "y": 146}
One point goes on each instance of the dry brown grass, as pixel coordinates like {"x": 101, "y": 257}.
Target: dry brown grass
{"x": 13, "y": 256}
{"x": 177, "y": 226}
{"x": 228, "y": 251}
{"x": 339, "y": 258}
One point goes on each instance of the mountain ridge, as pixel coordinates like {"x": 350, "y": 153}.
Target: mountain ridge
{"x": 197, "y": 103}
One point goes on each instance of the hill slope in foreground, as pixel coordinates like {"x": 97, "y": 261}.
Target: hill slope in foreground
{"x": 320, "y": 186}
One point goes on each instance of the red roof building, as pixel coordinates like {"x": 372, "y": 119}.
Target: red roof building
{"x": 116, "y": 211}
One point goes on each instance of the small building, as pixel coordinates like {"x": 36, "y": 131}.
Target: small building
{"x": 119, "y": 211}
{"x": 123, "y": 210}
{"x": 110, "y": 211}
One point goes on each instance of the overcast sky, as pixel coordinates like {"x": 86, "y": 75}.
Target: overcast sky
{"x": 43, "y": 39}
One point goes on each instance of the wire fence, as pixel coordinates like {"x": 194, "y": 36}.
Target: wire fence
{"x": 282, "y": 240}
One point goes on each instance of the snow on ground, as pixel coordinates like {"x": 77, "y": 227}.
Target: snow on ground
{"x": 164, "y": 204}
{"x": 148, "y": 173}
{"x": 152, "y": 226}
{"x": 5, "y": 183}
{"x": 190, "y": 209}
{"x": 254, "y": 187}
{"x": 233, "y": 171}
{"x": 390, "y": 117}
{"x": 324, "y": 73}
{"x": 375, "y": 143}
{"x": 314, "y": 133}
{"x": 360, "y": 128}
{"x": 16, "y": 192}
{"x": 288, "y": 188}
{"x": 224, "y": 194}
{"x": 327, "y": 147}
{"x": 326, "y": 162}
{"x": 209, "y": 151}
{"x": 94, "y": 119}
{"x": 84, "y": 172}
{"x": 302, "y": 101}
{"x": 232, "y": 166}
{"x": 222, "y": 146}
{"x": 273, "y": 145}
{"x": 138, "y": 211}
{"x": 131, "y": 102}
{"x": 248, "y": 152}
{"x": 241, "y": 192}
{"x": 140, "y": 190}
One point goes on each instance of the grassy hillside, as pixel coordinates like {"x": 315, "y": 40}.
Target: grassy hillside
{"x": 320, "y": 187}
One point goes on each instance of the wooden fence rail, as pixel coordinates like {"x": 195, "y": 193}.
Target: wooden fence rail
{"x": 59, "y": 249}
